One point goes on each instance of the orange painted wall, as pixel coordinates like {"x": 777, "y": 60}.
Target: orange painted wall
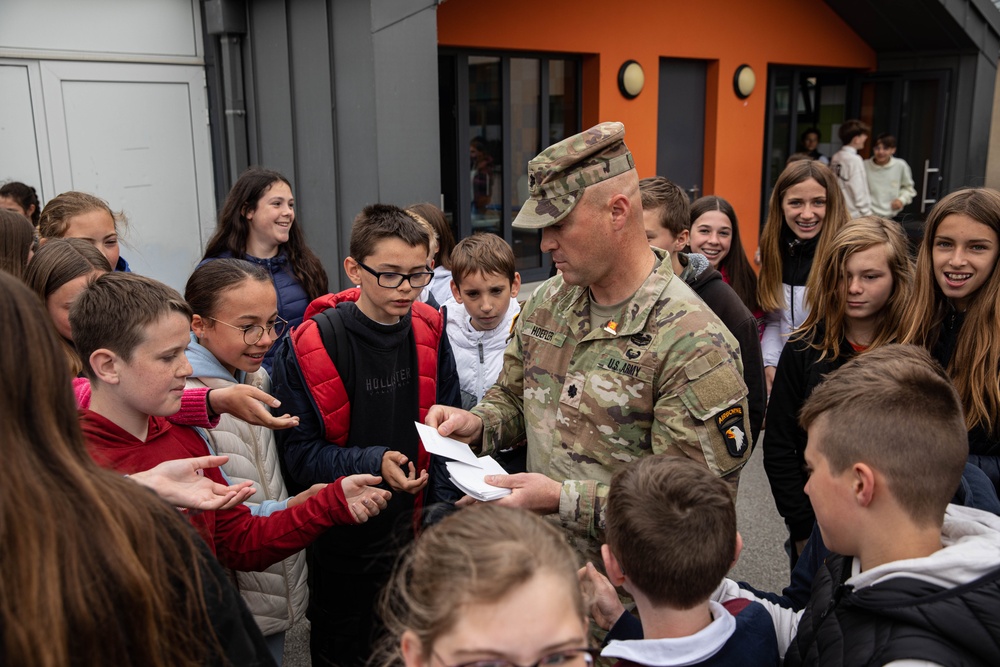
{"x": 727, "y": 32}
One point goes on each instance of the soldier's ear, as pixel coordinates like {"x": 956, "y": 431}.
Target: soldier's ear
{"x": 620, "y": 208}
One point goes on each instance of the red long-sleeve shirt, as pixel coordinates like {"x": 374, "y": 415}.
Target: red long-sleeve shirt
{"x": 239, "y": 540}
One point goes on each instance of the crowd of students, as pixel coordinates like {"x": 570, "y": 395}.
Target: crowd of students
{"x": 877, "y": 402}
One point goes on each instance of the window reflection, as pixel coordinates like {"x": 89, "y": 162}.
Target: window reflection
{"x": 498, "y": 112}
{"x": 485, "y": 145}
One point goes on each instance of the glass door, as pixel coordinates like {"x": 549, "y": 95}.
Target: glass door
{"x": 913, "y": 107}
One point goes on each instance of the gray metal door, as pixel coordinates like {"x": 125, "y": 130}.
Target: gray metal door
{"x": 680, "y": 144}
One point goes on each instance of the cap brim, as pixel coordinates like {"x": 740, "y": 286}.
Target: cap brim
{"x": 540, "y": 213}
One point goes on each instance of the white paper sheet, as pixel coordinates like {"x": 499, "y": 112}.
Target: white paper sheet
{"x": 465, "y": 469}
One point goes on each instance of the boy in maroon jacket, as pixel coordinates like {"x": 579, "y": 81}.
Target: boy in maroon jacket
{"x": 131, "y": 332}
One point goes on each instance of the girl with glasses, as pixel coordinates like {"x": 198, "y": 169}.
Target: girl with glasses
{"x": 488, "y": 586}
{"x": 257, "y": 223}
{"x": 235, "y": 323}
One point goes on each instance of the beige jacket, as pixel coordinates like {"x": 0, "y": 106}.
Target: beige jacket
{"x": 279, "y": 595}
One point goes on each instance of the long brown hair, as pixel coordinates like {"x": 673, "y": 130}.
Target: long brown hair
{"x": 233, "y": 230}
{"x": 96, "y": 571}
{"x": 975, "y": 365}
{"x": 16, "y": 238}
{"x": 56, "y": 263}
{"x": 445, "y": 239}
{"x": 769, "y": 292}
{"x": 26, "y": 197}
{"x": 735, "y": 264}
{"x": 826, "y": 284}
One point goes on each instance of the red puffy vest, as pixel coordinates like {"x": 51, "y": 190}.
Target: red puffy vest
{"x": 325, "y": 385}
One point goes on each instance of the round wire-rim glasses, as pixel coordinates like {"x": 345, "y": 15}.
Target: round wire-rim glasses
{"x": 252, "y": 333}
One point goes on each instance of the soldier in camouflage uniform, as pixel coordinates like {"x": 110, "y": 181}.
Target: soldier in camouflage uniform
{"x": 611, "y": 360}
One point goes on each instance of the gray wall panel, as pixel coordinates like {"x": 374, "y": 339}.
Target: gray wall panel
{"x": 387, "y": 12}
{"x": 980, "y": 119}
{"x": 311, "y": 107}
{"x": 354, "y": 117}
{"x": 272, "y": 86}
{"x": 342, "y": 98}
{"x": 407, "y": 114}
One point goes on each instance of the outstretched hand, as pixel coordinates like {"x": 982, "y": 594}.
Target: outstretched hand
{"x": 300, "y": 498}
{"x": 182, "y": 483}
{"x": 364, "y": 500}
{"x": 602, "y": 598}
{"x": 400, "y": 476}
{"x": 247, "y": 403}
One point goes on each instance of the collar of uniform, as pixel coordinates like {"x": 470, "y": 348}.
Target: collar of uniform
{"x": 574, "y": 301}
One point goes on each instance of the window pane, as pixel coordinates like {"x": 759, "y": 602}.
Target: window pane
{"x": 563, "y": 121}
{"x": 563, "y": 95}
{"x": 525, "y": 109}
{"x": 485, "y": 144}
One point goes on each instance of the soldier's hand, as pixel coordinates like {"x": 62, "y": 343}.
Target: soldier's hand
{"x": 529, "y": 490}
{"x": 455, "y": 423}
{"x": 605, "y": 605}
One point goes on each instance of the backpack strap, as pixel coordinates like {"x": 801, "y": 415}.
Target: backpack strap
{"x": 333, "y": 333}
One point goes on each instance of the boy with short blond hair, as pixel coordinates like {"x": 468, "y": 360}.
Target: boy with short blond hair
{"x": 361, "y": 368}
{"x": 671, "y": 538}
{"x": 484, "y": 287}
{"x": 131, "y": 332}
{"x": 887, "y": 446}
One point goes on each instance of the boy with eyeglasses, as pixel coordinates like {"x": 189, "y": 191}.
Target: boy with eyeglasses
{"x": 361, "y": 368}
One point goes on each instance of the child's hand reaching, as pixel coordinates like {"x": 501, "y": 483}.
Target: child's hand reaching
{"x": 394, "y": 471}
{"x": 300, "y": 498}
{"x": 363, "y": 498}
{"x": 247, "y": 403}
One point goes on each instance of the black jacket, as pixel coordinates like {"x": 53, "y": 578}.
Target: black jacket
{"x": 896, "y": 619}
{"x": 799, "y": 372}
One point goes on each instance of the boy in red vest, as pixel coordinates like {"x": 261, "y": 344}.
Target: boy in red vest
{"x": 361, "y": 368}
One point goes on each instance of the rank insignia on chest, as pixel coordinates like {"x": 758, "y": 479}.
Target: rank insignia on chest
{"x": 730, "y": 425}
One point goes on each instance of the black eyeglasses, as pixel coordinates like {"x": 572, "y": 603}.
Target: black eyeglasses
{"x": 252, "y": 333}
{"x": 573, "y": 657}
{"x": 393, "y": 280}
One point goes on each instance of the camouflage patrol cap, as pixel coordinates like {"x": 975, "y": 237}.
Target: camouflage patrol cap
{"x": 558, "y": 175}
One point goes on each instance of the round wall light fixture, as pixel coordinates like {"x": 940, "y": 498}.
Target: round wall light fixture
{"x": 744, "y": 81}
{"x": 631, "y": 79}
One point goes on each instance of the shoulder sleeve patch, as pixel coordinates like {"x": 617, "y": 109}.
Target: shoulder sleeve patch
{"x": 730, "y": 425}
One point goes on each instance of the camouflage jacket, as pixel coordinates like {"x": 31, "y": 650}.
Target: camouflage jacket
{"x": 589, "y": 401}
